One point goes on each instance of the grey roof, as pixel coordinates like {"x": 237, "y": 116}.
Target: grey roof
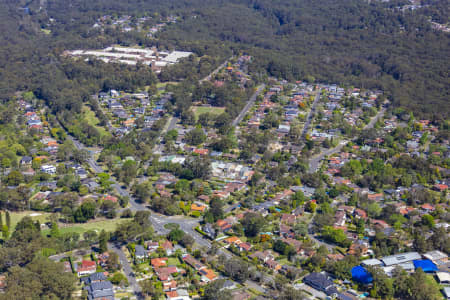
{"x": 318, "y": 281}
{"x": 139, "y": 251}
{"x": 400, "y": 258}
{"x": 372, "y": 262}
{"x": 100, "y": 286}
{"x": 99, "y": 276}
{"x": 108, "y": 294}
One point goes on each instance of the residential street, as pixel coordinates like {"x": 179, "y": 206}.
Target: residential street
{"x": 207, "y": 78}
{"x": 311, "y": 114}
{"x": 249, "y": 105}
{"x": 314, "y": 162}
{"x": 127, "y": 269}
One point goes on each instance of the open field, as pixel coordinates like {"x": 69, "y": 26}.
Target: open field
{"x": 198, "y": 110}
{"x": 90, "y": 117}
{"x": 42, "y": 217}
{"x": 107, "y": 225}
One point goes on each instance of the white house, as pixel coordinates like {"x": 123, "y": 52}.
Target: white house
{"x": 49, "y": 169}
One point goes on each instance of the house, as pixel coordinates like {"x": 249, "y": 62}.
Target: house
{"x": 288, "y": 219}
{"x": 273, "y": 264}
{"x": 244, "y": 246}
{"x": 198, "y": 207}
{"x": 204, "y": 198}
{"x": 139, "y": 253}
{"x": 102, "y": 290}
{"x": 427, "y": 207}
{"x": 152, "y": 246}
{"x": 81, "y": 173}
{"x": 358, "y": 249}
{"x": 232, "y": 240}
{"x": 240, "y": 295}
{"x": 436, "y": 256}
{"x": 165, "y": 272}
{"x": 209, "y": 230}
{"x": 224, "y": 225}
{"x": 87, "y": 267}
{"x": 360, "y": 214}
{"x": 168, "y": 247}
{"x": 193, "y": 262}
{"x": 229, "y": 285}
{"x": 159, "y": 262}
{"x": 320, "y": 282}
{"x": 208, "y": 275}
{"x": 262, "y": 256}
{"x": 294, "y": 243}
{"x": 95, "y": 277}
{"x": 201, "y": 151}
{"x": 49, "y": 169}
{"x": 169, "y": 286}
{"x": 440, "y": 187}
{"x": 340, "y": 218}
{"x": 26, "y": 161}
{"x": 443, "y": 277}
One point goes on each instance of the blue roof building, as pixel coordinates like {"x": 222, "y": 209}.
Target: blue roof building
{"x": 426, "y": 265}
{"x": 361, "y": 275}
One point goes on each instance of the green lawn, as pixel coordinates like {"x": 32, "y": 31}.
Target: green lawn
{"x": 92, "y": 119}
{"x": 198, "y": 110}
{"x": 173, "y": 261}
{"x": 107, "y": 225}
{"x": 42, "y": 217}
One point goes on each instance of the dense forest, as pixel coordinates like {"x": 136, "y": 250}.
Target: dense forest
{"x": 370, "y": 45}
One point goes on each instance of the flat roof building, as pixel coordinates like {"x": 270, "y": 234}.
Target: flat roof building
{"x": 400, "y": 258}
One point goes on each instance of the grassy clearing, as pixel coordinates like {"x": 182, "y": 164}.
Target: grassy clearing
{"x": 42, "y": 217}
{"x": 198, "y": 110}
{"x": 173, "y": 261}
{"x": 107, "y": 225}
{"x": 90, "y": 117}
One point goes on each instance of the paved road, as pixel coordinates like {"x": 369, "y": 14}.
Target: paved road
{"x": 127, "y": 269}
{"x": 375, "y": 119}
{"x": 311, "y": 114}
{"x": 207, "y": 78}
{"x": 249, "y": 104}
{"x": 314, "y": 162}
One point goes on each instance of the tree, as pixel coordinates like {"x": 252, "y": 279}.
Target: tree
{"x": 237, "y": 269}
{"x": 215, "y": 291}
{"x": 14, "y": 178}
{"x": 176, "y": 235}
{"x": 119, "y": 279}
{"x": 54, "y": 231}
{"x": 5, "y": 232}
{"x": 195, "y": 137}
{"x": 41, "y": 278}
{"x": 300, "y": 229}
{"x": 382, "y": 285}
{"x": 253, "y": 223}
{"x": 428, "y": 220}
{"x": 113, "y": 262}
{"x": 8, "y": 219}
{"x": 103, "y": 241}
{"x": 216, "y": 208}
{"x": 374, "y": 210}
{"x": 289, "y": 293}
{"x": 187, "y": 241}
